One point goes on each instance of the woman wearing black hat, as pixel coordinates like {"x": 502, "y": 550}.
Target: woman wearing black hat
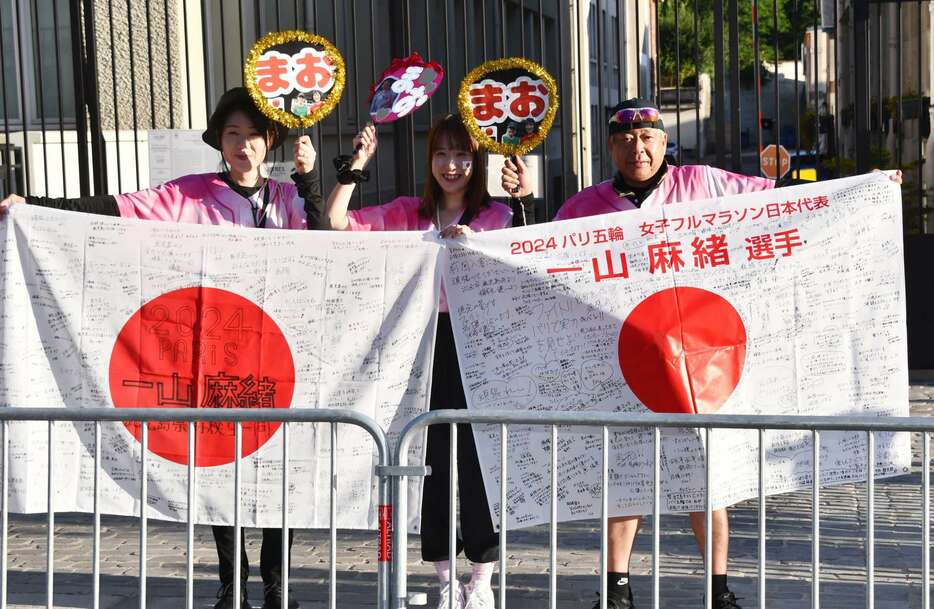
{"x": 237, "y": 196}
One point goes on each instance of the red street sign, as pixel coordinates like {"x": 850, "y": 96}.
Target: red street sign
{"x": 768, "y": 158}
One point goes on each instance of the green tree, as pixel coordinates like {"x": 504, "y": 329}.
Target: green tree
{"x": 789, "y": 33}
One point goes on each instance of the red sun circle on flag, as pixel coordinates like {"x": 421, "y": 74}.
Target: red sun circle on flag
{"x": 202, "y": 348}
{"x": 681, "y": 350}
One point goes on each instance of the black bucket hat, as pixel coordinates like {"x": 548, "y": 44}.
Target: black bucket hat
{"x": 235, "y": 99}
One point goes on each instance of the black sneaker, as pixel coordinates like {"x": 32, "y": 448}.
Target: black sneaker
{"x": 273, "y": 598}
{"x": 615, "y": 601}
{"x": 727, "y": 600}
{"x": 225, "y": 597}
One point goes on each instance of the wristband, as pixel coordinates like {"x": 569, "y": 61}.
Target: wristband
{"x": 346, "y": 175}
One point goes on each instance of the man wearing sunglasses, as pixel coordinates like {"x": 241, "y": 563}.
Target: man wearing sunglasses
{"x": 637, "y": 143}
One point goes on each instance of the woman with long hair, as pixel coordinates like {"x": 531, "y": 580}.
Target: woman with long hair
{"x": 455, "y": 202}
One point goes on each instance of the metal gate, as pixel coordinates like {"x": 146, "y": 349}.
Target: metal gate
{"x": 837, "y": 83}
{"x": 822, "y": 82}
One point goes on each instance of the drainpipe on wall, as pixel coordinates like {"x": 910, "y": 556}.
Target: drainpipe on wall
{"x": 579, "y": 99}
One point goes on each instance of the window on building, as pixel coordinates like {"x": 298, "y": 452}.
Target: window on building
{"x": 37, "y": 64}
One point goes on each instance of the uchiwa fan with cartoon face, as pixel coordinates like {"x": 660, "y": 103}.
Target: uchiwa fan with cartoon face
{"x": 295, "y": 78}
{"x": 508, "y": 105}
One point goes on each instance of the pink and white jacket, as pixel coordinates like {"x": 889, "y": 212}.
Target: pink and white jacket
{"x": 206, "y": 199}
{"x": 685, "y": 183}
{"x": 402, "y": 214}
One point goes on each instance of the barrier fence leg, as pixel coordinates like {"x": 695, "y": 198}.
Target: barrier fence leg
{"x": 656, "y": 516}
{"x": 815, "y": 520}
{"x": 604, "y": 512}
{"x": 925, "y": 521}
{"x": 708, "y": 526}
{"x": 762, "y": 507}
{"x": 870, "y": 520}
{"x": 386, "y": 550}
{"x": 285, "y": 514}
{"x": 503, "y": 479}
{"x": 96, "y": 550}
{"x": 387, "y": 537}
{"x": 452, "y": 518}
{"x": 332, "y": 519}
{"x": 553, "y": 554}
{"x": 400, "y": 531}
{"x": 190, "y": 547}
{"x": 4, "y": 508}
{"x": 238, "y": 441}
{"x": 50, "y": 539}
{"x": 143, "y": 502}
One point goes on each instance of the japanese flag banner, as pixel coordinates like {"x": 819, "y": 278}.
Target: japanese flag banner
{"x": 113, "y": 313}
{"x": 786, "y": 302}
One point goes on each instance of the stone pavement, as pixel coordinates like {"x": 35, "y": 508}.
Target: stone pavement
{"x": 843, "y": 572}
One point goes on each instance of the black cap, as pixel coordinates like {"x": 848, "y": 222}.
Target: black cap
{"x": 235, "y": 99}
{"x": 615, "y": 126}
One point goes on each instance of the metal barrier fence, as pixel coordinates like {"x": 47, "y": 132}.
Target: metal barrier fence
{"x": 392, "y": 579}
{"x": 656, "y": 422}
{"x": 193, "y": 417}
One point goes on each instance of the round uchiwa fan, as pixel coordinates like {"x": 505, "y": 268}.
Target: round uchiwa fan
{"x": 508, "y": 105}
{"x": 295, "y": 78}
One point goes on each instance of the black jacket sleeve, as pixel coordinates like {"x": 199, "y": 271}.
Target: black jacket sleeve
{"x": 523, "y": 210}
{"x": 309, "y": 188}
{"x": 102, "y": 205}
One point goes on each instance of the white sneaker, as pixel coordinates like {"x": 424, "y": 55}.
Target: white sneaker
{"x": 444, "y": 601}
{"x": 479, "y": 597}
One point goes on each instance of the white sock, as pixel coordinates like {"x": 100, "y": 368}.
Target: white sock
{"x": 443, "y": 569}
{"x": 481, "y": 574}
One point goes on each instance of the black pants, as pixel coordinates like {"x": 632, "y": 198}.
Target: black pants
{"x": 270, "y": 556}
{"x": 480, "y": 543}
